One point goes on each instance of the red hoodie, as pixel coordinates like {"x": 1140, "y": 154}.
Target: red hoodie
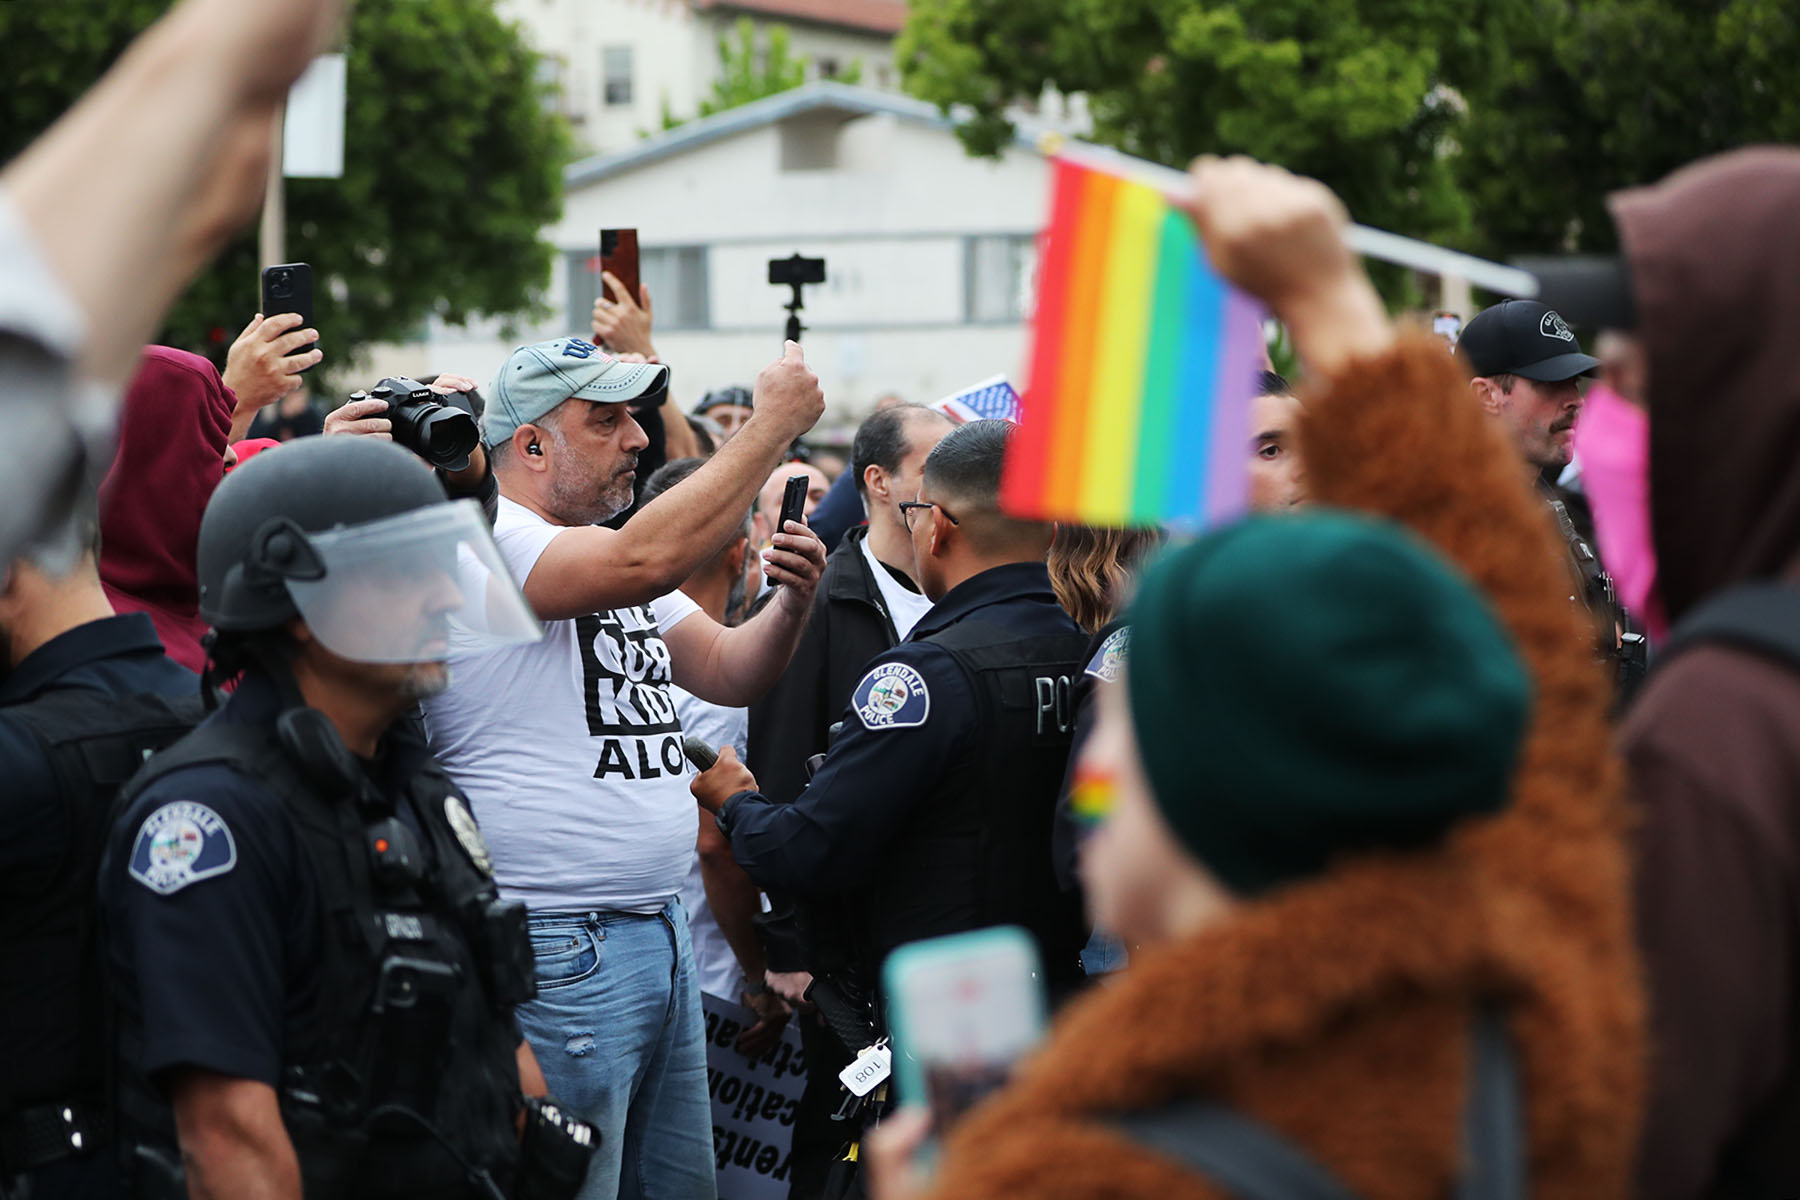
{"x": 172, "y": 435}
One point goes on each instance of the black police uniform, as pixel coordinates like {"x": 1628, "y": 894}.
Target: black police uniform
{"x": 1105, "y": 664}
{"x": 281, "y": 911}
{"x": 76, "y": 716}
{"x": 934, "y": 807}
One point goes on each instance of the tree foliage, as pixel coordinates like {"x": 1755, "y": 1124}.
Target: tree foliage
{"x": 1499, "y": 126}
{"x": 1570, "y": 102}
{"x": 452, "y": 167}
{"x": 749, "y": 71}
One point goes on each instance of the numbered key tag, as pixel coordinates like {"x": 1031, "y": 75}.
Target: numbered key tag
{"x": 872, "y": 1067}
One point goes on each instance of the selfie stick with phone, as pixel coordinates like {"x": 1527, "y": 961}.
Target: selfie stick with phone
{"x": 796, "y": 272}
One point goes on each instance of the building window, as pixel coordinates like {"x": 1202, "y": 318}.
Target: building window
{"x": 677, "y": 276}
{"x": 615, "y": 74}
{"x": 829, "y": 68}
{"x": 549, "y": 75}
{"x": 999, "y": 277}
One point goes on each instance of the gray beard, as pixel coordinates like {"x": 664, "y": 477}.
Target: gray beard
{"x": 425, "y": 681}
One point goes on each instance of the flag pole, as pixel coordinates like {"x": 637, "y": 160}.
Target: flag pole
{"x": 1369, "y": 242}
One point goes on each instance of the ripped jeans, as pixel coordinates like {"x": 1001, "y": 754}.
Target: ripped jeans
{"x": 618, "y": 1030}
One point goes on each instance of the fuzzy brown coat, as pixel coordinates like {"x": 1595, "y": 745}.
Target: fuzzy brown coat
{"x": 1338, "y": 1010}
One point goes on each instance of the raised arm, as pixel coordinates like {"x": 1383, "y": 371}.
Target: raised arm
{"x": 735, "y": 666}
{"x": 590, "y": 569}
{"x": 183, "y": 124}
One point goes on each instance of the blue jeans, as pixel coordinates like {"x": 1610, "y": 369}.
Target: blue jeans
{"x": 618, "y": 1030}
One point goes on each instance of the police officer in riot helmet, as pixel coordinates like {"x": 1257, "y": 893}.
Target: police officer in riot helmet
{"x": 314, "y": 970}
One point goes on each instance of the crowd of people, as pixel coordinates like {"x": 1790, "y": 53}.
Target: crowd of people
{"x": 375, "y": 827}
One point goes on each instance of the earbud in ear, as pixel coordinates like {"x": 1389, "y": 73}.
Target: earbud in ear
{"x": 533, "y": 448}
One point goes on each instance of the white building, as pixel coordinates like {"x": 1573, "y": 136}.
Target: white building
{"x": 620, "y": 64}
{"x": 930, "y": 253}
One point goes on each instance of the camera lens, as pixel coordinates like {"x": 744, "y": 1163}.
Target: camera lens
{"x": 281, "y": 284}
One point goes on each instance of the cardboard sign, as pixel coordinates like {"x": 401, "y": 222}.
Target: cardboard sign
{"x": 753, "y": 1103}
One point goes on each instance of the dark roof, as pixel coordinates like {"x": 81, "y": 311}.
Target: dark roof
{"x": 872, "y": 16}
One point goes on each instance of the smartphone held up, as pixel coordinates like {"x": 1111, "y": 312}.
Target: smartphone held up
{"x": 964, "y": 1010}
{"x": 288, "y": 288}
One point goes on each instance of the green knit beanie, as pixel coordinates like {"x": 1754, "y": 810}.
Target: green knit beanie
{"x": 1305, "y": 685}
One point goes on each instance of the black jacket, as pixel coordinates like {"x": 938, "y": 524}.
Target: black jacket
{"x": 848, "y": 626}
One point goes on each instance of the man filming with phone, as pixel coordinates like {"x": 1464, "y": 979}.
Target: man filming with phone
{"x": 571, "y": 750}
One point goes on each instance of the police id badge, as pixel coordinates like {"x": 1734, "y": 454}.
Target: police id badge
{"x": 468, "y": 834}
{"x": 892, "y": 696}
{"x": 179, "y": 844}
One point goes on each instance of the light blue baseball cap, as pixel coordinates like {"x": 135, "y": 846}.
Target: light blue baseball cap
{"x": 538, "y": 378}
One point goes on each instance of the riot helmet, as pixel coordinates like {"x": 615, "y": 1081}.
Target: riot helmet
{"x": 356, "y": 537}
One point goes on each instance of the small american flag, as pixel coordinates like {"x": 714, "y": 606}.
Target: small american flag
{"x": 987, "y": 400}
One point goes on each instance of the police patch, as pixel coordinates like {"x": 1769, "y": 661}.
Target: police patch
{"x": 462, "y": 824}
{"x": 179, "y": 844}
{"x": 892, "y": 696}
{"x": 1109, "y": 659}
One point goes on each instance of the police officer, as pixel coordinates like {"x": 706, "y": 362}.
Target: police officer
{"x": 316, "y": 975}
{"x": 933, "y": 807}
{"x": 87, "y": 695}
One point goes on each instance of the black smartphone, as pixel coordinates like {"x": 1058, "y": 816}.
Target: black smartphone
{"x": 288, "y": 288}
{"x": 619, "y": 255}
{"x": 793, "y": 502}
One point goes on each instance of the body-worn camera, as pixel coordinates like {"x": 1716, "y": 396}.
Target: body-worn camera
{"x": 441, "y": 434}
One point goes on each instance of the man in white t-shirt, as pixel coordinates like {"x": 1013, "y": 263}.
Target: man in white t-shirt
{"x": 570, "y": 749}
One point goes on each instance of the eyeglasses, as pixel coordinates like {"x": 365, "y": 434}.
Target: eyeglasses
{"x": 908, "y": 507}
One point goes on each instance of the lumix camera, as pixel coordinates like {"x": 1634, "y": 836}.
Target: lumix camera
{"x": 444, "y": 435}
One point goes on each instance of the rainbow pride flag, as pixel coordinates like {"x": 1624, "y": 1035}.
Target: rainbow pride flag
{"x": 1143, "y": 366}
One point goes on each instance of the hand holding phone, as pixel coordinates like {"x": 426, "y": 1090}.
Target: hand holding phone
{"x": 963, "y": 1010}
{"x": 288, "y": 288}
{"x": 619, "y": 257}
{"x": 793, "y": 506}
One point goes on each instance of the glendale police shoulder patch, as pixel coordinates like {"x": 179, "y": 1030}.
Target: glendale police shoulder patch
{"x": 181, "y": 843}
{"x": 892, "y": 696}
{"x": 1109, "y": 659}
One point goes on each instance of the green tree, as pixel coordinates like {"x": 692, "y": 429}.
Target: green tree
{"x": 1569, "y": 102}
{"x": 1499, "y": 126}
{"x": 452, "y": 167}
{"x": 748, "y": 71}
{"x": 1341, "y": 89}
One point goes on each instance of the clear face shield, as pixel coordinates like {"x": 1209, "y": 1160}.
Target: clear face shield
{"x": 415, "y": 588}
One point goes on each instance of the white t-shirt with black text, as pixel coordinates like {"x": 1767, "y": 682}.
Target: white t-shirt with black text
{"x": 570, "y": 750}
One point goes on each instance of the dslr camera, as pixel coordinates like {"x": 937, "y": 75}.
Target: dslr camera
{"x": 444, "y": 435}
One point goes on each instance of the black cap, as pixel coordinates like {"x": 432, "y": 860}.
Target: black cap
{"x": 1523, "y": 337}
{"x": 1594, "y": 290}
{"x": 741, "y": 396}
